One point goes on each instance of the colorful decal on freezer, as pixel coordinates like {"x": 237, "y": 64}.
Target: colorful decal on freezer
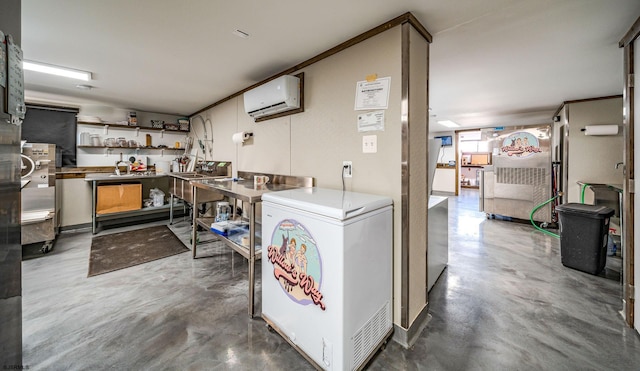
{"x": 296, "y": 263}
{"x": 521, "y": 144}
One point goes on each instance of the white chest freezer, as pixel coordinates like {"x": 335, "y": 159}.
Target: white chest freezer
{"x": 327, "y": 273}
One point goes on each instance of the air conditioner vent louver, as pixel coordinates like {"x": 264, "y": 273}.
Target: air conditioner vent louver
{"x": 278, "y": 95}
{"x": 267, "y": 110}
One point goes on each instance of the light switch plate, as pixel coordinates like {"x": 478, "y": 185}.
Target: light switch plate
{"x": 370, "y": 144}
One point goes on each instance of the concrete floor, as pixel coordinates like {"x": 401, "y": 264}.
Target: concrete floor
{"x": 504, "y": 303}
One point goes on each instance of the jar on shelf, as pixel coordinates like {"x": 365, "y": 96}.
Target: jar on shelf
{"x": 95, "y": 140}
{"x": 85, "y": 139}
{"x": 133, "y": 119}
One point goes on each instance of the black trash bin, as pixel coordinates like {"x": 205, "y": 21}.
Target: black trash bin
{"x": 584, "y": 231}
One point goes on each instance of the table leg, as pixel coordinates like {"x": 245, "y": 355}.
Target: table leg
{"x": 171, "y": 209}
{"x": 94, "y": 196}
{"x": 194, "y": 224}
{"x": 252, "y": 258}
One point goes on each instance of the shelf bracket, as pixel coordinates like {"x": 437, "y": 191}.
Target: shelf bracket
{"x": 106, "y": 130}
{"x": 162, "y": 133}
{"x": 107, "y": 151}
{"x": 137, "y": 132}
{"x": 162, "y": 152}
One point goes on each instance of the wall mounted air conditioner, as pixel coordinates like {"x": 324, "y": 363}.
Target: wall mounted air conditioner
{"x": 278, "y": 95}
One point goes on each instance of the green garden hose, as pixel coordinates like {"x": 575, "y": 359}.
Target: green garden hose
{"x": 536, "y": 209}
{"x": 584, "y": 187}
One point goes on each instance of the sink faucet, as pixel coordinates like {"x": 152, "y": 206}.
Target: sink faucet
{"x": 126, "y": 163}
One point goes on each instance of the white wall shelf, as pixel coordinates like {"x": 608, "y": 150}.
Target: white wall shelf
{"x": 108, "y": 126}
{"x": 134, "y": 148}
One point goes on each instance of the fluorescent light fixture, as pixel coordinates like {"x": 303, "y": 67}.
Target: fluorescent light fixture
{"x": 448, "y": 123}
{"x": 55, "y": 70}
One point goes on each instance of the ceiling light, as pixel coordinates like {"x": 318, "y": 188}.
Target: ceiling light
{"x": 84, "y": 87}
{"x": 240, "y": 33}
{"x": 448, "y": 123}
{"x": 55, "y": 70}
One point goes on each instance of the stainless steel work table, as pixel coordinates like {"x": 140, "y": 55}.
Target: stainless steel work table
{"x": 244, "y": 191}
{"x": 106, "y": 178}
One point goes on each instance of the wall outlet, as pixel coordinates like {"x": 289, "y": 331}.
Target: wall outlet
{"x": 347, "y": 169}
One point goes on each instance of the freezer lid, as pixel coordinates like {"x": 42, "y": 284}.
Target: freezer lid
{"x": 328, "y": 202}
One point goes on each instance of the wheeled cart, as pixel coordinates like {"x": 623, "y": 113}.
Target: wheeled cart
{"x": 39, "y": 217}
{"x": 327, "y": 273}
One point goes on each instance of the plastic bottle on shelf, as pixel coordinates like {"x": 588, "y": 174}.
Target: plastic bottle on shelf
{"x": 611, "y": 246}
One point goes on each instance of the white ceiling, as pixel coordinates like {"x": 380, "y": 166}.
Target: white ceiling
{"x": 492, "y": 62}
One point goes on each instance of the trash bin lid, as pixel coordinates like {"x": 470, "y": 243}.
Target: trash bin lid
{"x": 584, "y": 210}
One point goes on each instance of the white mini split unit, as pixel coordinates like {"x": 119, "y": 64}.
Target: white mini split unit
{"x": 278, "y": 95}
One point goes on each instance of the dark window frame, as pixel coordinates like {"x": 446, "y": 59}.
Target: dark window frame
{"x": 37, "y": 128}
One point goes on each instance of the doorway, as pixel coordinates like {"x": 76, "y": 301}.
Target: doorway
{"x": 472, "y": 156}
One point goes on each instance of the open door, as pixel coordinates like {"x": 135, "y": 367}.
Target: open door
{"x": 631, "y": 113}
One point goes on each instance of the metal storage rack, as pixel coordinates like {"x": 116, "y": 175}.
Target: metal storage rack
{"x": 97, "y": 179}
{"x": 244, "y": 192}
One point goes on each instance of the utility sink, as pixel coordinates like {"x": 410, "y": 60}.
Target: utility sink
{"x": 195, "y": 176}
{"x": 191, "y": 176}
{"x": 180, "y": 187}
